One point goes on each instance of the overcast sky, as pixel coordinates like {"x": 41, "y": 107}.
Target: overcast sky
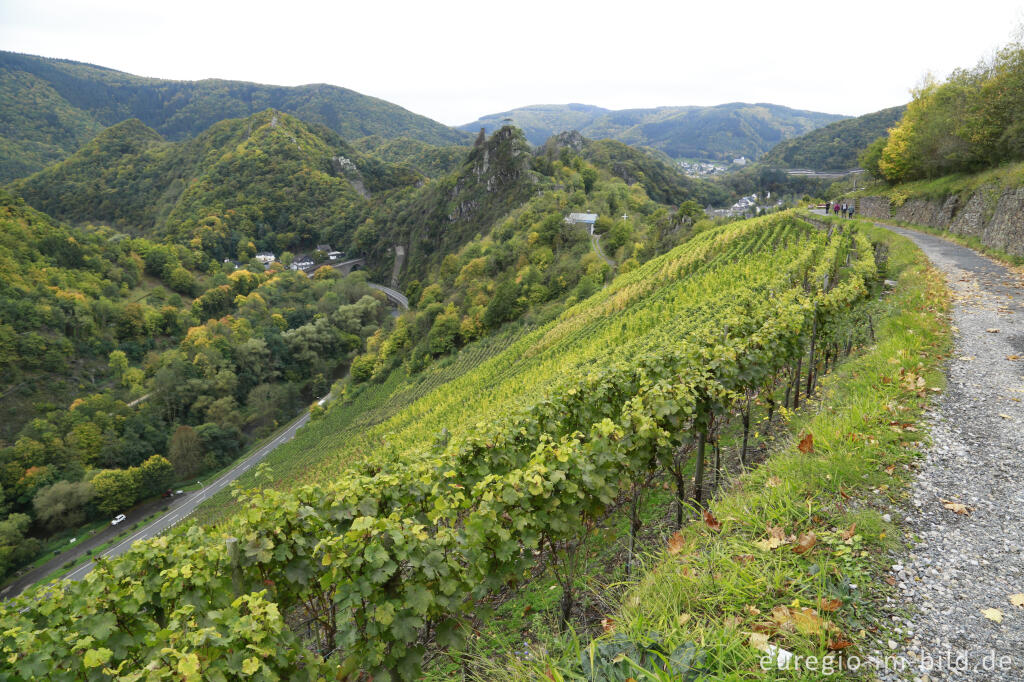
{"x": 456, "y": 61}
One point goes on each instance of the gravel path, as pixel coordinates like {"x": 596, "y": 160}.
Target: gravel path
{"x": 965, "y": 564}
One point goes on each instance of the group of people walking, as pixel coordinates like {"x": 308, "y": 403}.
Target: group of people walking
{"x": 846, "y": 208}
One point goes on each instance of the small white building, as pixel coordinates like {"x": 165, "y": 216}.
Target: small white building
{"x": 586, "y": 219}
{"x": 335, "y": 255}
{"x": 302, "y": 263}
{"x": 266, "y": 257}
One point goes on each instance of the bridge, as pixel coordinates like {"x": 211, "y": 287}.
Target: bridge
{"x": 348, "y": 266}
{"x": 393, "y": 296}
{"x": 345, "y": 267}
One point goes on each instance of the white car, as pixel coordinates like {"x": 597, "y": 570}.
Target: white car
{"x": 118, "y": 519}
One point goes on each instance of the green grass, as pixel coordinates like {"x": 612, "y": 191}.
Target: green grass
{"x": 718, "y": 585}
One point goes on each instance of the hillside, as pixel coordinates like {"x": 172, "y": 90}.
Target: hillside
{"x": 50, "y": 107}
{"x": 835, "y": 146}
{"x": 466, "y": 490}
{"x": 266, "y": 182}
{"x": 721, "y": 132}
{"x": 128, "y": 365}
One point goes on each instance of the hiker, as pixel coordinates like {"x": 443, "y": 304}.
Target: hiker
{"x": 828, "y": 207}
{"x": 835, "y": 209}
{"x": 850, "y": 209}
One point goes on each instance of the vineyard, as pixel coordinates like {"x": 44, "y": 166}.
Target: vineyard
{"x": 404, "y": 527}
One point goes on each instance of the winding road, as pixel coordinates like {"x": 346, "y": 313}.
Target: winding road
{"x": 179, "y": 510}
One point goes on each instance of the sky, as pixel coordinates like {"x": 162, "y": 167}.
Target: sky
{"x": 455, "y": 61}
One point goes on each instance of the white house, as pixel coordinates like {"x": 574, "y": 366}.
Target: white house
{"x": 302, "y": 263}
{"x": 266, "y": 257}
{"x": 585, "y": 219}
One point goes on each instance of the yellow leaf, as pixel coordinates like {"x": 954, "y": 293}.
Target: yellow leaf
{"x": 683, "y": 619}
{"x": 993, "y": 614}
{"x": 250, "y": 665}
{"x": 758, "y": 640}
{"x": 992, "y": 331}
{"x": 773, "y": 482}
{"x": 957, "y": 507}
{"x": 1017, "y": 599}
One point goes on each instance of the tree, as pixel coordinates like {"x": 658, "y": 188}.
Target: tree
{"x": 15, "y": 548}
{"x": 157, "y": 475}
{"x": 118, "y": 364}
{"x": 116, "y": 489}
{"x": 444, "y": 334}
{"x": 185, "y": 451}
{"x": 63, "y": 504}
{"x": 589, "y": 175}
{"x": 320, "y": 385}
{"x": 504, "y": 304}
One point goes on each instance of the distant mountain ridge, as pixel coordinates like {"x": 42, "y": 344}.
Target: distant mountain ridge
{"x": 49, "y": 108}
{"x": 836, "y": 146}
{"x": 721, "y": 132}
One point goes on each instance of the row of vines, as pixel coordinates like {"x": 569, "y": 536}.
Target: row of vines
{"x": 383, "y": 565}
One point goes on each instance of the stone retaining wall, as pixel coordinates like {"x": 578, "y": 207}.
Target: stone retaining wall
{"x": 995, "y": 216}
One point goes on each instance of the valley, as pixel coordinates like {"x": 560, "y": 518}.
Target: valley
{"x": 298, "y": 384}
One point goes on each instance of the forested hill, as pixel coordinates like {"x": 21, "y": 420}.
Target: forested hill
{"x": 725, "y": 131}
{"x": 836, "y": 146}
{"x": 50, "y": 107}
{"x": 266, "y": 182}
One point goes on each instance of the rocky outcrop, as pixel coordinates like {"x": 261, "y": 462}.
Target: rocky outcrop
{"x": 993, "y": 215}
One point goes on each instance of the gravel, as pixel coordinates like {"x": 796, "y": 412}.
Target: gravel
{"x": 963, "y": 564}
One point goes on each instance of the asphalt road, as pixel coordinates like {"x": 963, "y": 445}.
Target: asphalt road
{"x": 179, "y": 509}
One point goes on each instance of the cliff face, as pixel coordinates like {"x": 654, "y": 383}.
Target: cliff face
{"x": 993, "y": 215}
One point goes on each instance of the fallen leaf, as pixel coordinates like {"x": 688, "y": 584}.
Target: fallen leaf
{"x": 1005, "y": 416}
{"x": 848, "y": 533}
{"x": 829, "y": 605}
{"x": 1017, "y": 599}
{"x": 805, "y": 543}
{"x": 683, "y": 619}
{"x": 805, "y": 621}
{"x": 773, "y": 482}
{"x": 758, "y": 640}
{"x": 839, "y": 643}
{"x": 743, "y": 558}
{"x": 765, "y": 626}
{"x": 992, "y": 331}
{"x": 993, "y": 614}
{"x": 607, "y": 624}
{"x": 754, "y": 611}
{"x": 957, "y": 507}
{"x": 732, "y": 622}
{"x": 1013, "y": 357}
{"x": 890, "y": 469}
{"x": 768, "y": 544}
{"x": 807, "y": 443}
{"x": 843, "y": 494}
{"x": 676, "y": 543}
{"x": 889, "y": 579}
{"x": 710, "y": 521}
